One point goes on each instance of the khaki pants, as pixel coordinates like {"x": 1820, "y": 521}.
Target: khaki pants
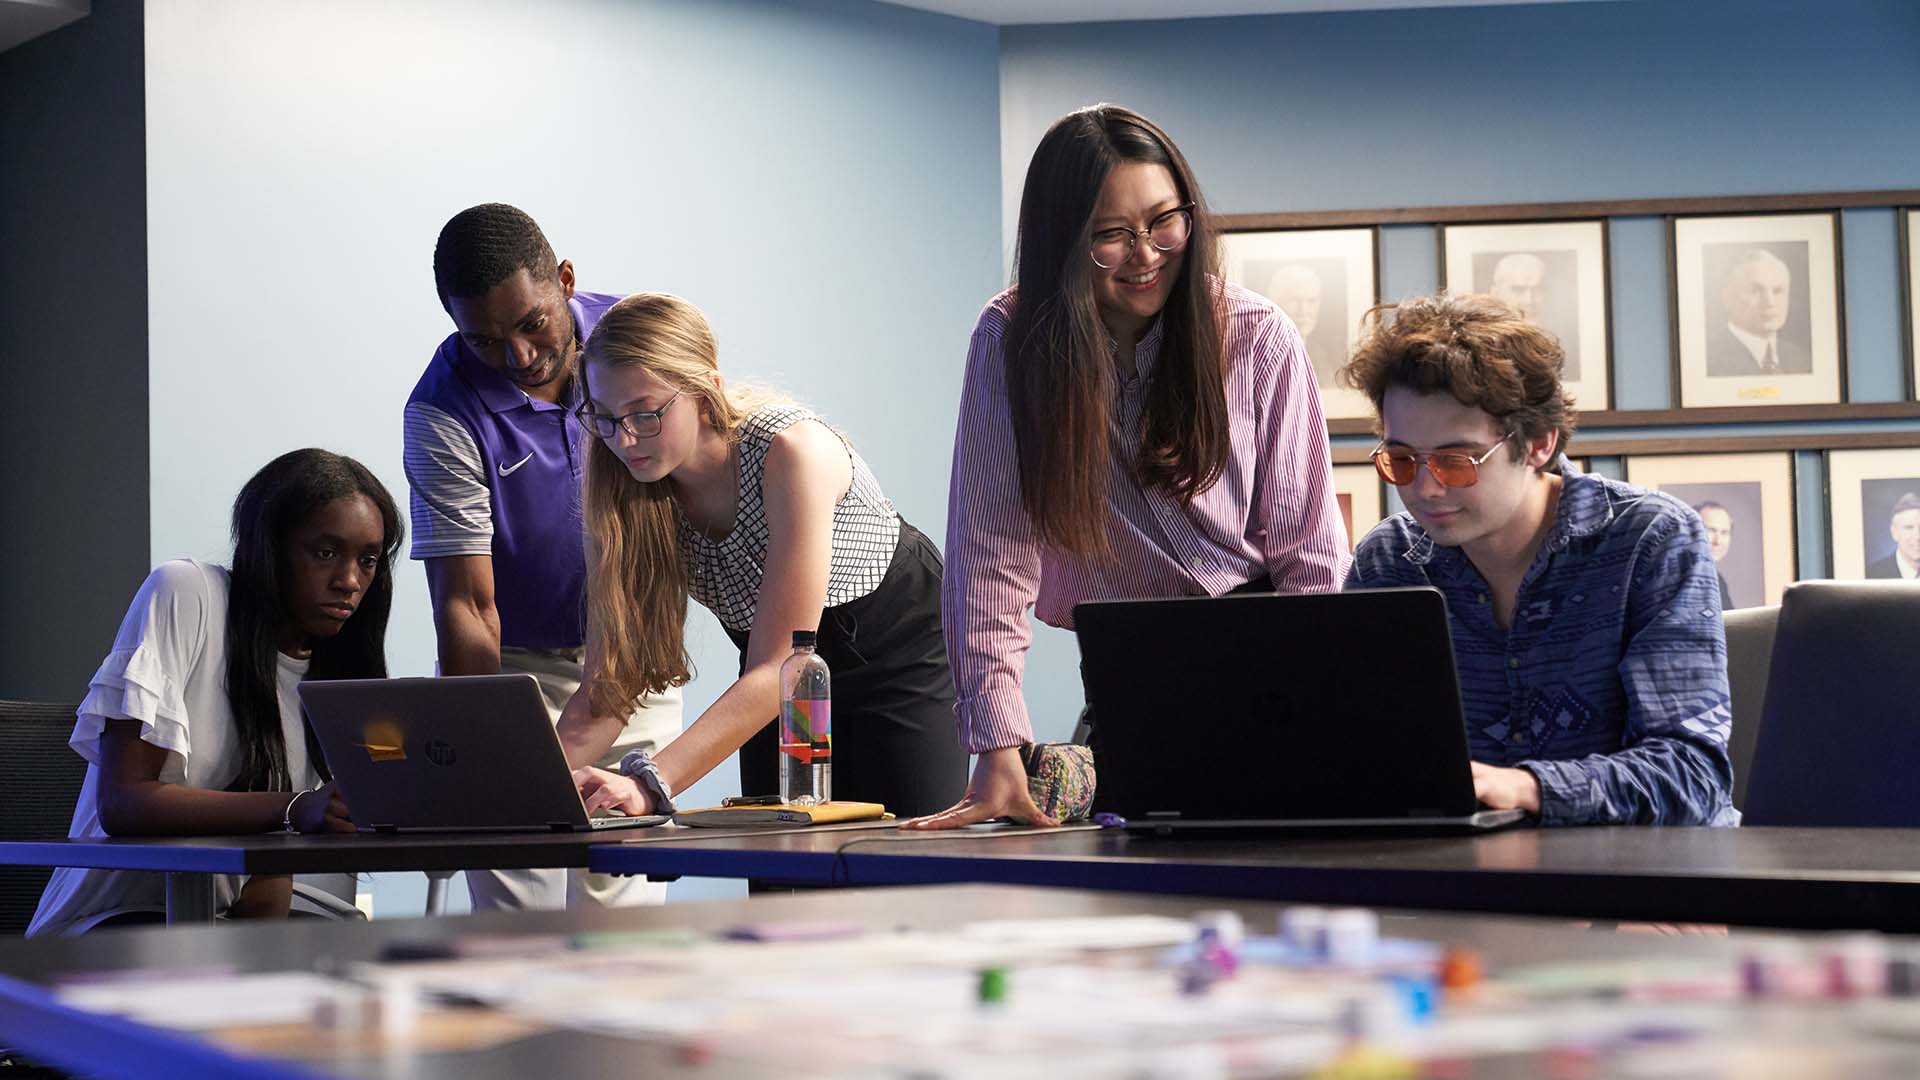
{"x": 651, "y": 726}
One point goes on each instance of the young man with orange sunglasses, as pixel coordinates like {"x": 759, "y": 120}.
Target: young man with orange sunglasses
{"x": 1585, "y": 612}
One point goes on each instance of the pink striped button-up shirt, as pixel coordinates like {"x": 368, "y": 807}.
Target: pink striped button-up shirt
{"x": 1271, "y": 513}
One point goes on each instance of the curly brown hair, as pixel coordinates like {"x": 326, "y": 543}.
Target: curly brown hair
{"x": 1477, "y": 348}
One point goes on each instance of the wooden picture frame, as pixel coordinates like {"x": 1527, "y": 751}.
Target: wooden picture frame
{"x": 1557, "y": 274}
{"x": 1873, "y": 512}
{"x": 1747, "y": 502}
{"x": 1325, "y": 280}
{"x": 1757, "y": 310}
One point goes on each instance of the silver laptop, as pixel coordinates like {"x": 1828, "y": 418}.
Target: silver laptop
{"x": 1326, "y": 711}
{"x": 469, "y": 753}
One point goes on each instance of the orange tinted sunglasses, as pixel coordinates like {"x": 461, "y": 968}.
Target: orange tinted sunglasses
{"x": 1453, "y": 468}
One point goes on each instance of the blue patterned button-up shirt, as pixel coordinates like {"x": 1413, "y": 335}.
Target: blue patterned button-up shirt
{"x": 1611, "y": 684}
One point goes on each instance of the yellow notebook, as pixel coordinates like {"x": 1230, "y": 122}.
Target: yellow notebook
{"x": 782, "y": 814}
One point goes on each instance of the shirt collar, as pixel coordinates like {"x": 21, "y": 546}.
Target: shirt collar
{"x": 1586, "y": 507}
{"x": 501, "y": 394}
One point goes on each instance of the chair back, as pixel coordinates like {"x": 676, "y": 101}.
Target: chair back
{"x": 1749, "y": 656}
{"x": 1839, "y": 744}
{"x": 41, "y": 778}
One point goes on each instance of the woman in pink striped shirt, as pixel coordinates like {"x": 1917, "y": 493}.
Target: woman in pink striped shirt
{"x": 1131, "y": 426}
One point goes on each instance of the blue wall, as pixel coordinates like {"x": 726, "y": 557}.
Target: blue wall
{"x": 1498, "y": 104}
{"x": 1548, "y": 103}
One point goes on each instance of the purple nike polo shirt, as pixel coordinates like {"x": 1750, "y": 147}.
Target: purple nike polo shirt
{"x": 530, "y": 459}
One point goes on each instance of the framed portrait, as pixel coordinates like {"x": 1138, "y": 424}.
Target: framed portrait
{"x": 1556, "y": 273}
{"x": 1910, "y": 276}
{"x": 1874, "y": 497}
{"x": 1325, "y": 280}
{"x": 1746, "y": 503}
{"x": 1357, "y": 488}
{"x": 1757, "y": 310}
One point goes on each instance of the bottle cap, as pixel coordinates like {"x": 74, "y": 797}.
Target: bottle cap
{"x": 805, "y": 639}
{"x": 993, "y": 986}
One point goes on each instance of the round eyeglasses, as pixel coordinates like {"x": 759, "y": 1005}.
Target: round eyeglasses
{"x": 641, "y": 423}
{"x": 1168, "y": 232}
{"x": 1453, "y": 468}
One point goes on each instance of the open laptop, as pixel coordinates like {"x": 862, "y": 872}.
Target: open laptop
{"x": 469, "y": 753}
{"x": 1320, "y": 711}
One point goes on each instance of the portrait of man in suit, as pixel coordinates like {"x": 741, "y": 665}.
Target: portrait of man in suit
{"x": 1719, "y": 522}
{"x": 1734, "y": 515}
{"x": 1903, "y": 562}
{"x": 1756, "y": 297}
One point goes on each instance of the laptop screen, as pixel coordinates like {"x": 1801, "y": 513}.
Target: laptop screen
{"x": 1333, "y": 705}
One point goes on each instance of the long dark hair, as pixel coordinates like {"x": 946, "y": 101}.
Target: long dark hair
{"x": 1060, "y": 381}
{"x": 269, "y": 508}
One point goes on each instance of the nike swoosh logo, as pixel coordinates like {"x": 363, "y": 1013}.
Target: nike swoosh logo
{"x": 509, "y": 470}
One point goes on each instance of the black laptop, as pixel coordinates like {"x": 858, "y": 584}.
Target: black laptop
{"x": 1325, "y": 711}
{"x": 473, "y": 753}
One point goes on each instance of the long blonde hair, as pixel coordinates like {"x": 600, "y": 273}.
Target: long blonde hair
{"x": 636, "y": 578}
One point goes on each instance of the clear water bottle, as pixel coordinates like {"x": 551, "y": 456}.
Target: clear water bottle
{"x": 806, "y": 724}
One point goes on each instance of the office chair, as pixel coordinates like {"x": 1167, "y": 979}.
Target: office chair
{"x": 41, "y": 779}
{"x": 1839, "y": 744}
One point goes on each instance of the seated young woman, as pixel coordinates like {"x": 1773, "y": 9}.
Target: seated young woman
{"x": 759, "y": 510}
{"x": 191, "y": 727}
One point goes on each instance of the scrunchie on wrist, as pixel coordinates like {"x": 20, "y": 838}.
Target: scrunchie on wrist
{"x": 639, "y": 765}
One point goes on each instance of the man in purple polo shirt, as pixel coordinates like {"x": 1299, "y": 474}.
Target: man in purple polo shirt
{"x": 493, "y": 457}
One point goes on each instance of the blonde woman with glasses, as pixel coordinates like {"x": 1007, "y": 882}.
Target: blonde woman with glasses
{"x": 759, "y": 510}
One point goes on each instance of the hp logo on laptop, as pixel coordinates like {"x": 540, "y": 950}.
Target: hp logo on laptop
{"x": 440, "y": 752}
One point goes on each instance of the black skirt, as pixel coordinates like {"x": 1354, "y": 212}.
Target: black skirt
{"x": 894, "y": 740}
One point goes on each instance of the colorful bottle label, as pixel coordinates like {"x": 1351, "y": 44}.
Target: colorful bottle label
{"x": 804, "y": 722}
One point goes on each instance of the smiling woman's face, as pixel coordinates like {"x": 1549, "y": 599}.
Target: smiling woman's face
{"x": 1130, "y": 295}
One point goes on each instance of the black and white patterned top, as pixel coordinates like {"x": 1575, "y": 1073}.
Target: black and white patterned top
{"x": 725, "y": 574}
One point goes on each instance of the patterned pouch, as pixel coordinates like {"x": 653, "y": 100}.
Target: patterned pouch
{"x": 1060, "y": 778}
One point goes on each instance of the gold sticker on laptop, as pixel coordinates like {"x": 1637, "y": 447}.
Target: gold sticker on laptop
{"x": 382, "y": 741}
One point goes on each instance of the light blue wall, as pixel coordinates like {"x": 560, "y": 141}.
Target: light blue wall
{"x": 821, "y": 178}
{"x": 1547, "y": 103}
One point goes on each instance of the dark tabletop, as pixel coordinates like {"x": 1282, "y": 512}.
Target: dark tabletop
{"x": 1814, "y": 878}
